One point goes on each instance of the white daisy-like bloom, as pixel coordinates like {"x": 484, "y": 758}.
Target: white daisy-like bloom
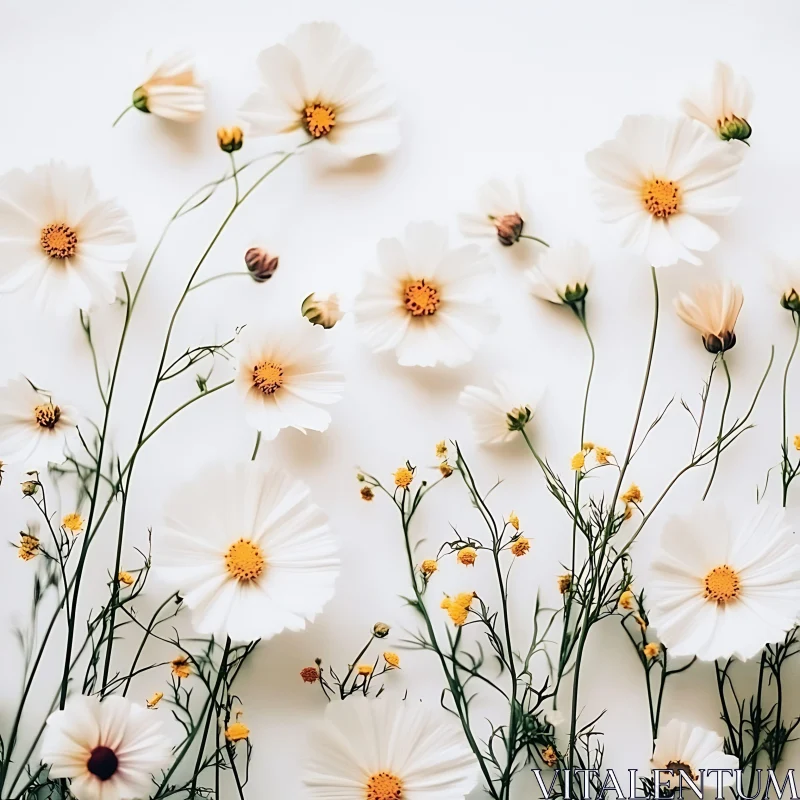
{"x": 502, "y": 214}
{"x": 321, "y": 86}
{"x": 284, "y": 376}
{"x": 784, "y": 280}
{"x": 662, "y": 180}
{"x": 248, "y": 550}
{"x": 497, "y": 415}
{"x": 724, "y": 585}
{"x": 712, "y": 310}
{"x": 563, "y": 274}
{"x": 59, "y": 239}
{"x": 35, "y": 427}
{"x": 427, "y": 302}
{"x": 172, "y": 91}
{"x": 107, "y": 750}
{"x": 388, "y": 749}
{"x": 724, "y": 106}
{"x": 690, "y": 750}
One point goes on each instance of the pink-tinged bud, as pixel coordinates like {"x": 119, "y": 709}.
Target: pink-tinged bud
{"x": 260, "y": 264}
{"x": 509, "y": 228}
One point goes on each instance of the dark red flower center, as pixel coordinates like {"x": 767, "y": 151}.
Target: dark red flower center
{"x": 103, "y": 762}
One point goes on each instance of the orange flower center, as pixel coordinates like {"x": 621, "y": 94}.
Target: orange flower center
{"x": 421, "y": 298}
{"x": 47, "y": 415}
{"x": 722, "y": 585}
{"x": 244, "y": 560}
{"x": 661, "y": 198}
{"x": 268, "y": 377}
{"x": 58, "y": 240}
{"x": 320, "y": 119}
{"x": 384, "y": 786}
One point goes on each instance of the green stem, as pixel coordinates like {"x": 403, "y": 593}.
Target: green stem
{"x": 721, "y": 424}
{"x": 124, "y": 112}
{"x": 220, "y": 277}
{"x": 256, "y": 446}
{"x": 786, "y": 470}
{"x": 534, "y": 239}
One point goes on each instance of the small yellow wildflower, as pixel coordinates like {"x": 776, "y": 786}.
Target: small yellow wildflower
{"x": 602, "y": 454}
{"x": 180, "y": 666}
{"x": 520, "y": 546}
{"x": 626, "y": 600}
{"x": 588, "y": 446}
{"x": 549, "y": 756}
{"x": 392, "y": 659}
{"x": 428, "y": 567}
{"x": 441, "y": 449}
{"x": 73, "y": 522}
{"x": 309, "y": 674}
{"x": 467, "y": 556}
{"x": 237, "y": 731}
{"x": 797, "y": 442}
{"x": 513, "y": 521}
{"x": 445, "y": 469}
{"x": 403, "y": 477}
{"x": 564, "y": 582}
{"x": 458, "y": 607}
{"x": 633, "y": 495}
{"x": 155, "y": 700}
{"x": 126, "y": 578}
{"x": 578, "y": 461}
{"x": 28, "y": 546}
{"x": 652, "y": 650}
{"x": 367, "y": 493}
{"x": 364, "y": 669}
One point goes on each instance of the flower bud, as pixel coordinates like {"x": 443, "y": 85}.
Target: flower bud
{"x": 380, "y": 630}
{"x": 323, "y": 311}
{"x": 518, "y": 418}
{"x": 791, "y": 300}
{"x": 139, "y": 99}
{"x": 260, "y": 264}
{"x": 509, "y": 228}
{"x": 576, "y": 293}
{"x": 230, "y": 139}
{"x": 29, "y": 488}
{"x": 715, "y": 344}
{"x": 734, "y": 127}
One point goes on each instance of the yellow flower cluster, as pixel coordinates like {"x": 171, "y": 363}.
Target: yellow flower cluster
{"x": 457, "y": 607}
{"x": 601, "y": 455}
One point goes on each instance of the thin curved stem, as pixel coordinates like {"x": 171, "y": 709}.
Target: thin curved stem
{"x": 721, "y": 424}
{"x": 124, "y": 112}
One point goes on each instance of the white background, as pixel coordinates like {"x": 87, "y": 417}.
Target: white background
{"x": 483, "y": 89}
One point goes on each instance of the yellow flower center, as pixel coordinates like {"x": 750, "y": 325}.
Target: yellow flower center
{"x": 320, "y": 119}
{"x": 384, "y": 786}
{"x": 661, "y": 198}
{"x": 244, "y": 560}
{"x": 47, "y": 415}
{"x": 58, "y": 240}
{"x": 421, "y": 299}
{"x": 268, "y": 377}
{"x": 722, "y": 585}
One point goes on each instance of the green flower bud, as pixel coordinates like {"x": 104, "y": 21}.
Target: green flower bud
{"x": 518, "y": 418}
{"x": 791, "y": 301}
{"x": 734, "y": 128}
{"x": 140, "y": 99}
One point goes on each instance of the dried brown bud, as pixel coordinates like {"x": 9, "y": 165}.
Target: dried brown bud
{"x": 260, "y": 264}
{"x": 509, "y": 228}
{"x": 380, "y": 630}
{"x": 29, "y": 488}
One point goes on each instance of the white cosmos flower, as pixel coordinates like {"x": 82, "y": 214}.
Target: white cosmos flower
{"x": 712, "y": 311}
{"x": 35, "y": 427}
{"x": 108, "y": 750}
{"x": 385, "y": 749}
{"x": 725, "y": 586}
{"x": 172, "y": 91}
{"x": 248, "y": 550}
{"x": 59, "y": 239}
{"x": 724, "y": 106}
{"x": 563, "y": 274}
{"x": 498, "y": 415}
{"x": 681, "y": 747}
{"x": 321, "y": 86}
{"x": 427, "y": 302}
{"x": 662, "y": 180}
{"x": 284, "y": 376}
{"x": 502, "y": 214}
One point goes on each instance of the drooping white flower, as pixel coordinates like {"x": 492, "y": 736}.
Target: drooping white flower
{"x": 384, "y": 749}
{"x": 724, "y": 586}
{"x": 690, "y": 750}
{"x": 172, "y": 91}
{"x": 284, "y": 376}
{"x": 563, "y": 274}
{"x": 502, "y": 214}
{"x": 427, "y": 302}
{"x": 321, "y": 86}
{"x": 248, "y": 550}
{"x": 712, "y": 311}
{"x": 498, "y": 415}
{"x": 59, "y": 240}
{"x": 662, "y": 180}
{"x": 35, "y": 427}
{"x": 108, "y": 750}
{"x": 724, "y": 106}
{"x": 784, "y": 280}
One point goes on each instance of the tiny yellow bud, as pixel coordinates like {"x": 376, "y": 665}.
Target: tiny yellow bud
{"x": 458, "y": 607}
{"x": 126, "y": 578}
{"x": 180, "y": 667}
{"x": 364, "y": 669}
{"x": 652, "y": 650}
{"x": 441, "y": 449}
{"x": 602, "y": 454}
{"x": 403, "y": 477}
{"x": 467, "y": 556}
{"x": 797, "y": 442}
{"x": 633, "y": 495}
{"x": 549, "y": 756}
{"x": 445, "y": 469}
{"x": 626, "y": 600}
{"x": 513, "y": 521}
{"x": 428, "y": 567}
{"x": 155, "y": 699}
{"x": 520, "y": 546}
{"x": 578, "y": 460}
{"x": 73, "y": 522}
{"x": 588, "y": 446}
{"x": 230, "y": 139}
{"x": 640, "y": 622}
{"x": 237, "y": 731}
{"x": 392, "y": 659}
